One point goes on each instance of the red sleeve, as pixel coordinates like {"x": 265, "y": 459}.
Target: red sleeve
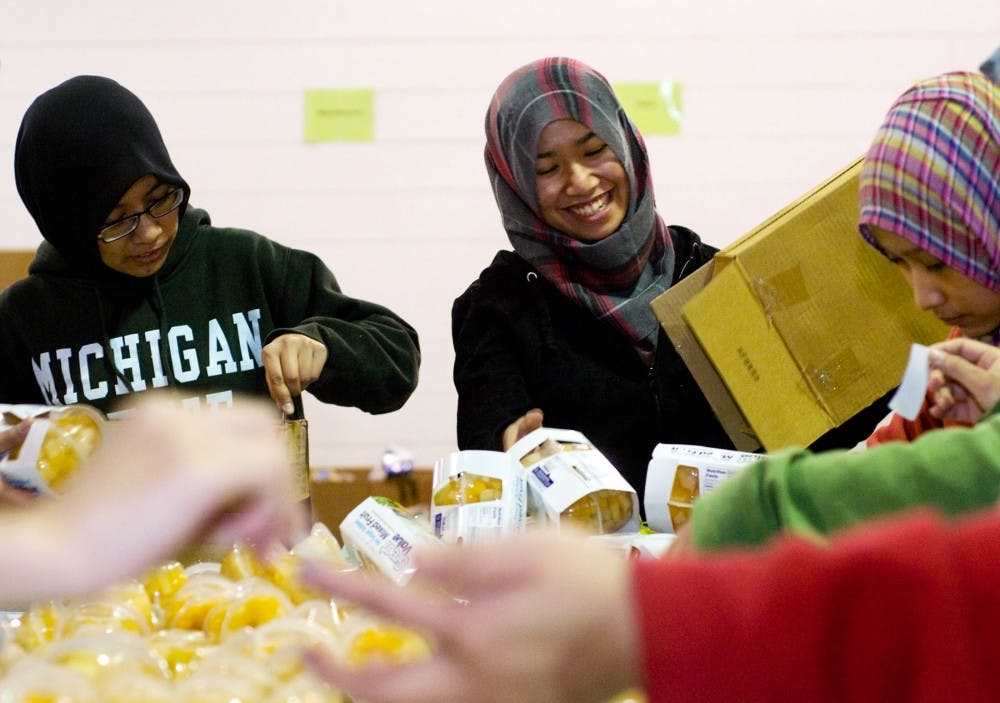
{"x": 907, "y": 611}
{"x": 896, "y": 428}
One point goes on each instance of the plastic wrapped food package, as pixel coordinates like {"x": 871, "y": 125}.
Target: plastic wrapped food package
{"x": 180, "y": 650}
{"x": 38, "y": 626}
{"x": 134, "y": 686}
{"x": 60, "y": 438}
{"x": 320, "y": 546}
{"x": 104, "y": 616}
{"x": 382, "y": 536}
{"x": 369, "y": 640}
{"x": 190, "y": 634}
{"x": 100, "y": 655}
{"x": 603, "y": 511}
{"x": 279, "y": 644}
{"x": 255, "y": 602}
{"x": 191, "y": 604}
{"x": 33, "y": 680}
{"x": 569, "y": 481}
{"x": 477, "y": 496}
{"x": 679, "y": 474}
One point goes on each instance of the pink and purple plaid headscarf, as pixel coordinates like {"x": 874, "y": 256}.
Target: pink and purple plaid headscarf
{"x": 932, "y": 174}
{"x": 617, "y": 277}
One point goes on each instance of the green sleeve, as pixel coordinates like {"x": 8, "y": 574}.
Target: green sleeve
{"x": 953, "y": 470}
{"x": 373, "y": 355}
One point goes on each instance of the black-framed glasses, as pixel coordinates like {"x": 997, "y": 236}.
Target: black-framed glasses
{"x": 127, "y": 225}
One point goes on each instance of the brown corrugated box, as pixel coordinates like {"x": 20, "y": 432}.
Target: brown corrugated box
{"x": 14, "y": 265}
{"x": 335, "y": 493}
{"x": 799, "y": 324}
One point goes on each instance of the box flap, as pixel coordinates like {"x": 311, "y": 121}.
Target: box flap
{"x": 844, "y": 182}
{"x": 733, "y": 326}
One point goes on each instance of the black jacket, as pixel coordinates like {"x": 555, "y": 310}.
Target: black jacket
{"x": 520, "y": 344}
{"x": 197, "y": 326}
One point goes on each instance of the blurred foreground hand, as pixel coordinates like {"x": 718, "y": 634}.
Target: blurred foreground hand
{"x": 164, "y": 479}
{"x": 543, "y": 616}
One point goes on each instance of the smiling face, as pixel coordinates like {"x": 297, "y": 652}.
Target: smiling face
{"x": 580, "y": 185}
{"x": 143, "y": 252}
{"x": 953, "y": 298}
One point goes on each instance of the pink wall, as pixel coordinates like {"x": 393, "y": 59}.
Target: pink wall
{"x": 777, "y": 95}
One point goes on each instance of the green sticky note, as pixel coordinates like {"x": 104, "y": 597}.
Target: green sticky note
{"x": 342, "y": 115}
{"x": 655, "y": 108}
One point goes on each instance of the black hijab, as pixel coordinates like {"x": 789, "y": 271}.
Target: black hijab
{"x": 81, "y": 145}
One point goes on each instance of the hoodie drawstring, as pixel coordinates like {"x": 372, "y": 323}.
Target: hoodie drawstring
{"x": 158, "y": 308}
{"x": 109, "y": 363}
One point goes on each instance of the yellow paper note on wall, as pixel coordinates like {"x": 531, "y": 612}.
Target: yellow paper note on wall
{"x": 340, "y": 115}
{"x": 655, "y": 108}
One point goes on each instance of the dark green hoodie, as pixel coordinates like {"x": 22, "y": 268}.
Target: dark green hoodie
{"x": 74, "y": 331}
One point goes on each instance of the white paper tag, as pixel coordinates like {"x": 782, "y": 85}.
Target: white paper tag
{"x": 909, "y": 397}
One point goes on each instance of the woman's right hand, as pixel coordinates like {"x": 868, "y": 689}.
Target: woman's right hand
{"x": 527, "y": 423}
{"x": 964, "y": 380}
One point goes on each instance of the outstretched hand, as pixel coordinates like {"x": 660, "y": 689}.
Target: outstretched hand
{"x": 542, "y": 616}
{"x": 522, "y": 426}
{"x": 164, "y": 479}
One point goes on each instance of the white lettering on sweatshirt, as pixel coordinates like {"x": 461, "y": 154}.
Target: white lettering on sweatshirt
{"x": 128, "y": 355}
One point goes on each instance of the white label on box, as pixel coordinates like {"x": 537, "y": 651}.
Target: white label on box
{"x": 384, "y": 538}
{"x": 485, "y": 520}
{"x": 562, "y": 468}
{"x": 665, "y": 499}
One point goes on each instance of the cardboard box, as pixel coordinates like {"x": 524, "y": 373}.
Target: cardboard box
{"x": 802, "y": 322}
{"x": 334, "y": 493}
{"x": 14, "y": 265}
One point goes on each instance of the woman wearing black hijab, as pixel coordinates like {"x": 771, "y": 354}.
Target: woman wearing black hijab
{"x": 133, "y": 289}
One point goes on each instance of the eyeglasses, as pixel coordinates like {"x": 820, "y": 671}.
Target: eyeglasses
{"x": 127, "y": 225}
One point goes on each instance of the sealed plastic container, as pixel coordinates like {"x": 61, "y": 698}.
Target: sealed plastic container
{"x": 60, "y": 439}
{"x": 602, "y": 512}
{"x": 383, "y": 536}
{"x": 679, "y": 473}
{"x": 683, "y": 493}
{"x": 478, "y": 495}
{"x": 571, "y": 482}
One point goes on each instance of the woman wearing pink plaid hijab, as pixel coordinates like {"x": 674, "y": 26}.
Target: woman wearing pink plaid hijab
{"x": 930, "y": 202}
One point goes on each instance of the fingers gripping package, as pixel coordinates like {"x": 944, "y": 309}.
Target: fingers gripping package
{"x": 571, "y": 482}
{"x": 679, "y": 473}
{"x": 60, "y": 438}
{"x": 383, "y": 536}
{"x": 478, "y": 496}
